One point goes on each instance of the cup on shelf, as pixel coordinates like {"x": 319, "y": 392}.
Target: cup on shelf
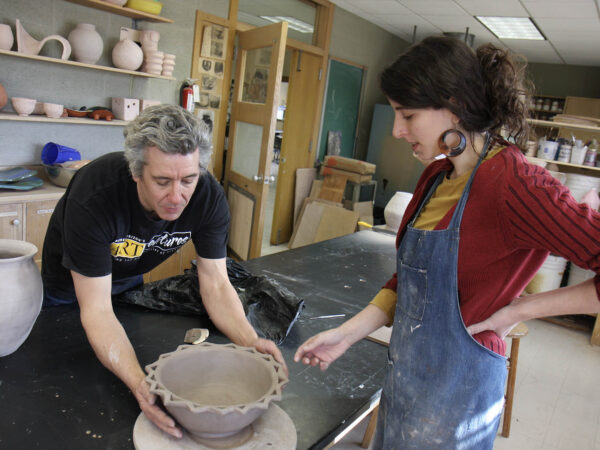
{"x": 53, "y": 153}
{"x": 23, "y": 106}
{"x": 53, "y": 110}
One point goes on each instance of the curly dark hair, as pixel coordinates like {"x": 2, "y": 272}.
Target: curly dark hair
{"x": 487, "y": 89}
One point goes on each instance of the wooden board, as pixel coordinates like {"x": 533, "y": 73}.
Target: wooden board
{"x": 381, "y": 335}
{"x": 350, "y": 176}
{"x": 350, "y": 164}
{"x": 304, "y": 182}
{"x": 319, "y": 221}
{"x": 333, "y": 188}
{"x": 239, "y": 232}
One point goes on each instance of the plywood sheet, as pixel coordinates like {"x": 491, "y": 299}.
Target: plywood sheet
{"x": 242, "y": 209}
{"x": 304, "y": 181}
{"x": 350, "y": 164}
{"x": 333, "y": 188}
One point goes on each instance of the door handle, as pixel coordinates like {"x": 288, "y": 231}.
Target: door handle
{"x": 257, "y": 178}
{"x": 270, "y": 179}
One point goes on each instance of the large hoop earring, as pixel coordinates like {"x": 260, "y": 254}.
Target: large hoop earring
{"x": 449, "y": 149}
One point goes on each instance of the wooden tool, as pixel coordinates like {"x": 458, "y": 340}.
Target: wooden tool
{"x": 195, "y": 335}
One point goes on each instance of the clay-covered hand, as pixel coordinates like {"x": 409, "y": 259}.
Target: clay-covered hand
{"x": 267, "y": 346}
{"x": 501, "y": 322}
{"x": 147, "y": 402}
{"x": 323, "y": 348}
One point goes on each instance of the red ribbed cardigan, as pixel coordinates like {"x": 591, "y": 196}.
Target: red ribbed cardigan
{"x": 516, "y": 214}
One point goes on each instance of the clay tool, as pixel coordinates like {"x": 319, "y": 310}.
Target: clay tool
{"x": 328, "y": 317}
{"x": 378, "y": 230}
{"x": 195, "y": 335}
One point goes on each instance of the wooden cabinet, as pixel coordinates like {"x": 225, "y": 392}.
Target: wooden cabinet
{"x": 175, "y": 265}
{"x": 11, "y": 221}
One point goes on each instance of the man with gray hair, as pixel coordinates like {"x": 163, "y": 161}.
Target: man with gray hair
{"x": 125, "y": 213}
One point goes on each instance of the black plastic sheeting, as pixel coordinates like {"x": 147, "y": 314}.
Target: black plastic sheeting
{"x": 270, "y": 308}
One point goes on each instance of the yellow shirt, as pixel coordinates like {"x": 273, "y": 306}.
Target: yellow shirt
{"x": 443, "y": 199}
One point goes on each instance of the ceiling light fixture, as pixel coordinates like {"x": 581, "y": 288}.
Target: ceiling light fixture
{"x": 512, "y": 27}
{"x": 293, "y": 23}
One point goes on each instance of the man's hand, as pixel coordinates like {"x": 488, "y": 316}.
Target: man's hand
{"x": 269, "y": 347}
{"x": 148, "y": 405}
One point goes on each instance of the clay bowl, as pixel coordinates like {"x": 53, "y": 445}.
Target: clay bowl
{"x": 76, "y": 113}
{"x": 216, "y": 391}
{"x": 53, "y": 110}
{"x": 23, "y": 106}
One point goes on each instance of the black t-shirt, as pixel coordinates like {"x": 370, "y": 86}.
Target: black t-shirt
{"x": 99, "y": 226}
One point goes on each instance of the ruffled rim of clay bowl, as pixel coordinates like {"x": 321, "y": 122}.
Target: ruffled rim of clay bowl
{"x": 278, "y": 380}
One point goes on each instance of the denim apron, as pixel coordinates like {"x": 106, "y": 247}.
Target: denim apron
{"x": 442, "y": 388}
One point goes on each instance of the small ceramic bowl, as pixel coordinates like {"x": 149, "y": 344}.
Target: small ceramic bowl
{"x": 39, "y": 108}
{"x": 53, "y": 110}
{"x": 23, "y": 106}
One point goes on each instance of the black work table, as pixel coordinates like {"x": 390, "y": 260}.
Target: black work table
{"x": 55, "y": 393}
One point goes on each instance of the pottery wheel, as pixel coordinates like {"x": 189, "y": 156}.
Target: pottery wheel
{"x": 274, "y": 430}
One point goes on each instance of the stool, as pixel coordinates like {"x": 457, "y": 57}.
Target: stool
{"x": 519, "y": 331}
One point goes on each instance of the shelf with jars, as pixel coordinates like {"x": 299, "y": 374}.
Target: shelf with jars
{"x": 544, "y": 107}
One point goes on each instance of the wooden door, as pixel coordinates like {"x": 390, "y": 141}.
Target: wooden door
{"x": 260, "y": 56}
{"x": 297, "y": 147}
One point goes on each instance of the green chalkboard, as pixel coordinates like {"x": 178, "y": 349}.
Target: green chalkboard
{"x": 342, "y": 102}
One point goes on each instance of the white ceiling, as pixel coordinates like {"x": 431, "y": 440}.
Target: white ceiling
{"x": 571, "y": 27}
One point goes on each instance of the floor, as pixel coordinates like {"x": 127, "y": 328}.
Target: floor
{"x": 557, "y": 398}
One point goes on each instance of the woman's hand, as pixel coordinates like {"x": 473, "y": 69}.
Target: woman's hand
{"x": 323, "y": 348}
{"x": 501, "y": 322}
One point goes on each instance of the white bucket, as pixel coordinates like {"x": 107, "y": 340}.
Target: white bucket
{"x": 547, "y": 150}
{"x": 549, "y": 276}
{"x": 579, "y": 185}
{"x": 578, "y": 275}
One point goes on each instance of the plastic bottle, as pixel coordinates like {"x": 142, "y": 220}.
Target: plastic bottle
{"x": 564, "y": 151}
{"x": 592, "y": 152}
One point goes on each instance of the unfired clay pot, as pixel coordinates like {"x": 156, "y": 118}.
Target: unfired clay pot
{"x": 216, "y": 391}
{"x": 6, "y": 37}
{"x": 86, "y": 43}
{"x": 30, "y": 46}
{"x": 394, "y": 210}
{"x": 3, "y": 97}
{"x": 127, "y": 55}
{"x": 21, "y": 288}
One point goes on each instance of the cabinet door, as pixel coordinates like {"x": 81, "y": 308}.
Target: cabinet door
{"x": 38, "y": 216}
{"x": 11, "y": 221}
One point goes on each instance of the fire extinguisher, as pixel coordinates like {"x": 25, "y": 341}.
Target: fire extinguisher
{"x": 187, "y": 96}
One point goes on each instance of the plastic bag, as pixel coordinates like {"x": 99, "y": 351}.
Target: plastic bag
{"x": 270, "y": 308}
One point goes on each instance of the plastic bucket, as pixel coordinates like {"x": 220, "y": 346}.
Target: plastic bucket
{"x": 578, "y": 275}
{"x": 55, "y": 154}
{"x": 579, "y": 185}
{"x": 548, "y": 150}
{"x": 549, "y": 276}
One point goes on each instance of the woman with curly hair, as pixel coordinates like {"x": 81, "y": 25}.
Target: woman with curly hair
{"x": 481, "y": 223}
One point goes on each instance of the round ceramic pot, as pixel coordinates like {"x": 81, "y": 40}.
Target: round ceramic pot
{"x": 127, "y": 55}
{"x": 216, "y": 391}
{"x": 395, "y": 208}
{"x": 3, "y": 97}
{"x": 6, "y": 37}
{"x": 21, "y": 287}
{"x": 86, "y": 43}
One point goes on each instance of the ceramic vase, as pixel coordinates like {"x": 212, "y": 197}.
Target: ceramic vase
{"x": 127, "y": 55}
{"x": 86, "y": 43}
{"x": 394, "y": 210}
{"x": 6, "y": 37}
{"x": 21, "y": 287}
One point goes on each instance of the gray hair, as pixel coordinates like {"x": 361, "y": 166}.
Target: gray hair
{"x": 170, "y": 128}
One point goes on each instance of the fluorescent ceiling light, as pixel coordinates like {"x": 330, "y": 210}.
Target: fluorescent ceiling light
{"x": 512, "y": 27}
{"x": 293, "y": 23}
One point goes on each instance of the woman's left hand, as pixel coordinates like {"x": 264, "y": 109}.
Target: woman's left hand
{"x": 501, "y": 322}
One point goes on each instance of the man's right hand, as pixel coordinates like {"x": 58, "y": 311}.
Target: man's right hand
{"x": 147, "y": 402}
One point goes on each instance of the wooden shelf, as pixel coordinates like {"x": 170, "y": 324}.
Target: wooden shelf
{"x": 69, "y": 120}
{"x": 83, "y": 65}
{"x": 121, "y": 10}
{"x": 552, "y": 124}
{"x": 564, "y": 164}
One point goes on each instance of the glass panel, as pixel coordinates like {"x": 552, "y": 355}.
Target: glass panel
{"x": 256, "y": 75}
{"x": 299, "y": 14}
{"x": 246, "y": 154}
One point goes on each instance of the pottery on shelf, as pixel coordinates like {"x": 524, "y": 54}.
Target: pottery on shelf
{"x": 6, "y": 37}
{"x": 21, "y": 287}
{"x": 126, "y": 54}
{"x": 3, "y": 97}
{"x": 30, "y": 46}
{"x": 394, "y": 210}
{"x": 23, "y": 106}
{"x": 86, "y": 42}
{"x": 53, "y": 110}
{"x": 38, "y": 109}
{"x": 216, "y": 391}
{"x": 149, "y": 39}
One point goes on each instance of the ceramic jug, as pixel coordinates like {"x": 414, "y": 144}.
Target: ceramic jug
{"x": 22, "y": 293}
{"x": 86, "y": 43}
{"x": 395, "y": 208}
